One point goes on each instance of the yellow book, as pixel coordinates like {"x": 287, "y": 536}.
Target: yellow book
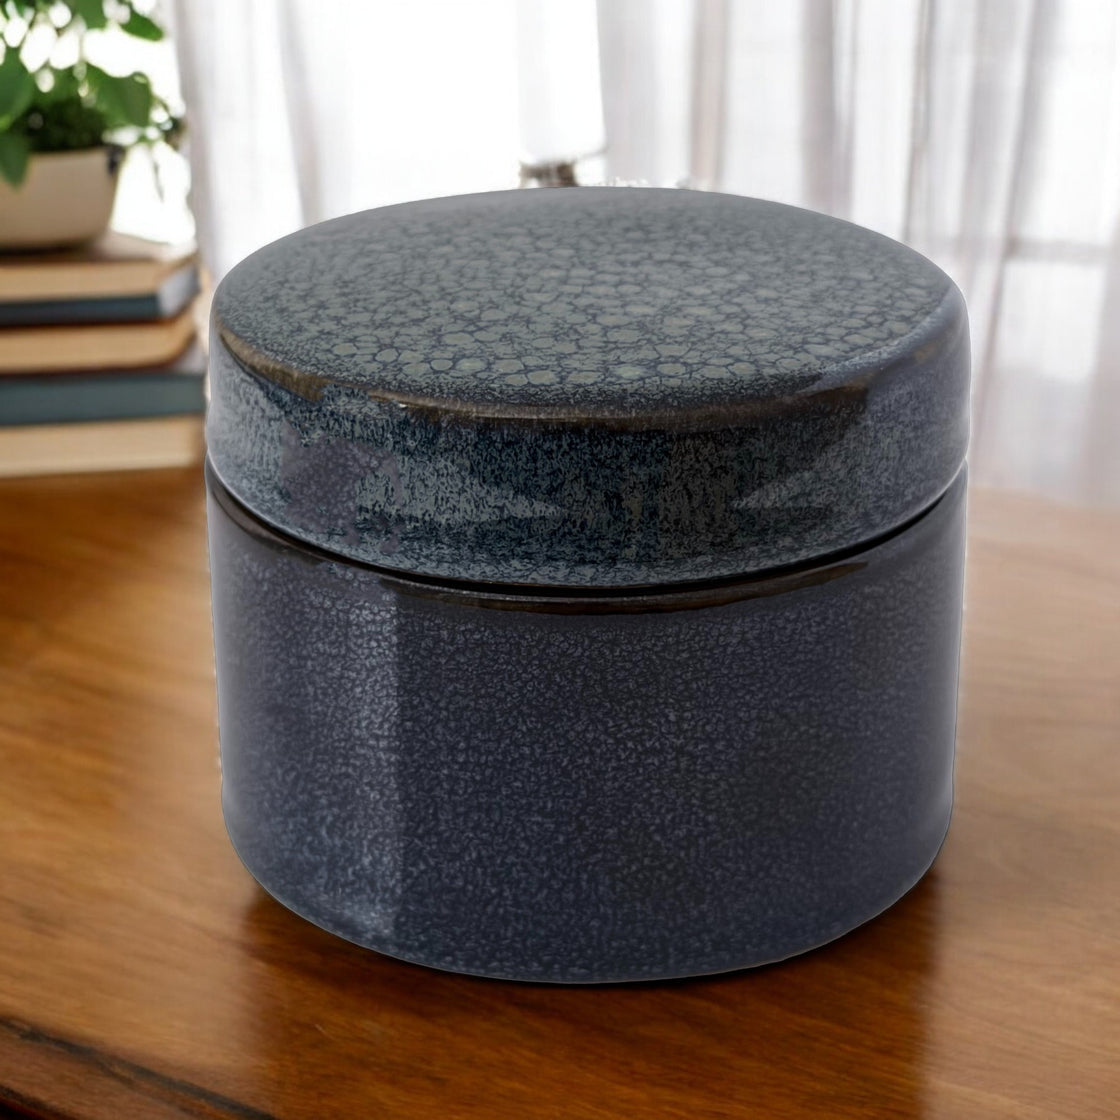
{"x": 95, "y": 345}
{"x": 104, "y": 445}
{"x": 116, "y": 264}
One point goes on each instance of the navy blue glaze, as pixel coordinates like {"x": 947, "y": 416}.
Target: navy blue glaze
{"x": 600, "y": 387}
{"x": 581, "y": 789}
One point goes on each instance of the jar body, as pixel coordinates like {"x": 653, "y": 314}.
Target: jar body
{"x": 587, "y": 789}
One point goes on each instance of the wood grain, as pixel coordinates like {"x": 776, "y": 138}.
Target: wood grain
{"x": 142, "y": 973}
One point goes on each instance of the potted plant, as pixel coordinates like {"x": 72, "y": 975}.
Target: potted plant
{"x": 64, "y": 128}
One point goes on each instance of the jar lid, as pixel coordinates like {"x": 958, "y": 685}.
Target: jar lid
{"x": 598, "y": 387}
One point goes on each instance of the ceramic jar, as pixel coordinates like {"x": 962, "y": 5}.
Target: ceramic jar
{"x": 587, "y": 576}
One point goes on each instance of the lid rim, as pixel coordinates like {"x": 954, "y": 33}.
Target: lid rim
{"x": 938, "y": 329}
{"x": 738, "y": 584}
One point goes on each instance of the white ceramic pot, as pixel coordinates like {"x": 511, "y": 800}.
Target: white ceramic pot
{"x": 66, "y": 197}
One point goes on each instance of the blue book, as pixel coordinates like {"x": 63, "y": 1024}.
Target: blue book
{"x": 178, "y": 388}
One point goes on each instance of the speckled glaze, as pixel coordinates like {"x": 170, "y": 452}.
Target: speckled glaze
{"x": 578, "y": 789}
{"x": 587, "y": 577}
{"x": 604, "y": 387}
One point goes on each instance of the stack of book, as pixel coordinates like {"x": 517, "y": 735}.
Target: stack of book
{"x": 100, "y": 366}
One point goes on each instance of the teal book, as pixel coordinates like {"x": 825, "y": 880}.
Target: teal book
{"x": 175, "y": 291}
{"x": 174, "y": 389}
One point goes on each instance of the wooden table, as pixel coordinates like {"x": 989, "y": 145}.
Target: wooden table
{"x": 143, "y": 974}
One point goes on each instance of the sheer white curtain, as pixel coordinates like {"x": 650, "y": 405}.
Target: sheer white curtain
{"x": 984, "y": 132}
{"x": 302, "y": 110}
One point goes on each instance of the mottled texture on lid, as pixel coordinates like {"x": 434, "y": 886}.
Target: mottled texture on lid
{"x": 603, "y": 299}
{"x": 602, "y": 386}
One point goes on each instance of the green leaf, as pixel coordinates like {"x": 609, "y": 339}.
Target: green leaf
{"x": 17, "y": 87}
{"x": 124, "y": 100}
{"x": 64, "y": 87}
{"x": 14, "y": 150}
{"x": 91, "y": 12}
{"x": 142, "y": 27}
